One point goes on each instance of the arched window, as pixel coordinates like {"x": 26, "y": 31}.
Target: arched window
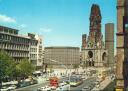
{"x": 90, "y": 54}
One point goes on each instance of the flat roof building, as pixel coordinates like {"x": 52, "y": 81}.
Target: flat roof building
{"x": 61, "y": 55}
{"x": 19, "y": 46}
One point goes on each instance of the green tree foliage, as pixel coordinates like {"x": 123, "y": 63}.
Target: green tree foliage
{"x": 9, "y": 68}
{"x": 25, "y": 68}
{"x": 7, "y": 65}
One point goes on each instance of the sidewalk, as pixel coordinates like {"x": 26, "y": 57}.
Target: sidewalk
{"x": 103, "y": 84}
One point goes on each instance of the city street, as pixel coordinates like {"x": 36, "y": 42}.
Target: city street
{"x": 34, "y": 87}
{"x": 63, "y": 45}
{"x": 87, "y": 82}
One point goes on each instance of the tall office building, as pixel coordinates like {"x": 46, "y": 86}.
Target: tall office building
{"x": 36, "y": 49}
{"x": 15, "y": 45}
{"x": 109, "y": 43}
{"x": 19, "y": 46}
{"x": 39, "y": 50}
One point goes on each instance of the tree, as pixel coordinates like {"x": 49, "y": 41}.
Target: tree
{"x": 10, "y": 69}
{"x": 7, "y": 66}
{"x": 25, "y": 68}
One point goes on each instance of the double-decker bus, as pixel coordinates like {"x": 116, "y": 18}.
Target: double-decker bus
{"x": 54, "y": 82}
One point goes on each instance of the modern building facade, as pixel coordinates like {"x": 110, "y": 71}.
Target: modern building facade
{"x": 19, "y": 46}
{"x": 94, "y": 53}
{"x": 15, "y": 45}
{"x": 39, "y": 50}
{"x": 68, "y": 56}
{"x": 36, "y": 49}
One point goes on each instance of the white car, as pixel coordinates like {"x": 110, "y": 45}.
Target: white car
{"x": 95, "y": 89}
{"x": 63, "y": 87}
{"x": 12, "y": 87}
{"x": 86, "y": 88}
{"x": 84, "y": 77}
{"x": 40, "y": 89}
{"x": 4, "y": 88}
{"x": 97, "y": 86}
{"x": 47, "y": 79}
{"x": 46, "y": 88}
{"x": 97, "y": 83}
{"x": 53, "y": 88}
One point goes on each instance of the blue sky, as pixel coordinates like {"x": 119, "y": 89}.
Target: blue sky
{"x": 60, "y": 22}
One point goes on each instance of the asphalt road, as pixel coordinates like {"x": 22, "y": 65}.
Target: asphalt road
{"x": 33, "y": 87}
{"x": 78, "y": 88}
{"x": 110, "y": 87}
{"x": 87, "y": 82}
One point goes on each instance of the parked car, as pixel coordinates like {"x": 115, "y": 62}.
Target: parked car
{"x": 86, "y": 88}
{"x": 47, "y": 78}
{"x": 12, "y": 87}
{"x": 8, "y": 88}
{"x": 4, "y": 88}
{"x": 46, "y": 88}
{"x": 24, "y": 83}
{"x": 84, "y": 77}
{"x": 95, "y": 89}
{"x": 97, "y": 82}
{"x": 63, "y": 87}
{"x": 75, "y": 81}
{"x": 41, "y": 89}
{"x": 92, "y": 86}
{"x": 53, "y": 87}
{"x": 33, "y": 82}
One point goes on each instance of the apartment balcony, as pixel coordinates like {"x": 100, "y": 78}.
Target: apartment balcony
{"x": 12, "y": 48}
{"x": 16, "y": 55}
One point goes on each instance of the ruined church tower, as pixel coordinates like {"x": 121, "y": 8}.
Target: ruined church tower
{"x": 95, "y": 35}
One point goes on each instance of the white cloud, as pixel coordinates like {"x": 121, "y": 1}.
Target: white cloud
{"x": 4, "y": 18}
{"x": 23, "y": 26}
{"x": 45, "y": 30}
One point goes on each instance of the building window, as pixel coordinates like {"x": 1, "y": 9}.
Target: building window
{"x": 126, "y": 27}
